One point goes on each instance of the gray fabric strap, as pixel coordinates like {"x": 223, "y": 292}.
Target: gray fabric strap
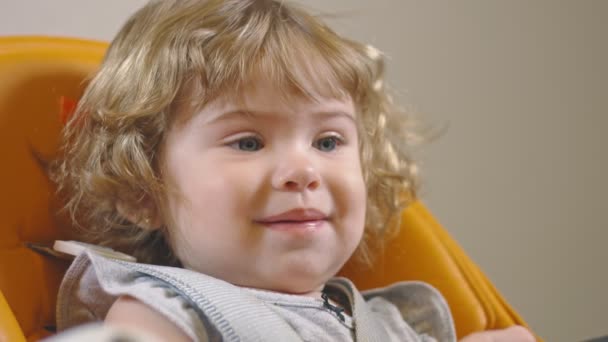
{"x": 421, "y": 306}
{"x": 237, "y": 315}
{"x": 367, "y": 328}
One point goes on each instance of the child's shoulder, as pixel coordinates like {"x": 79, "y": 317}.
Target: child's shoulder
{"x": 200, "y": 305}
{"x": 98, "y": 279}
{"x": 418, "y": 304}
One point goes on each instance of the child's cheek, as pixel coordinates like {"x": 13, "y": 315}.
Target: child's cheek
{"x": 349, "y": 192}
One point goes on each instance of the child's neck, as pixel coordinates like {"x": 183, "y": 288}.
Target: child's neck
{"x": 316, "y": 293}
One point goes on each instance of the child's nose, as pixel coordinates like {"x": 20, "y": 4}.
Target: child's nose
{"x": 296, "y": 174}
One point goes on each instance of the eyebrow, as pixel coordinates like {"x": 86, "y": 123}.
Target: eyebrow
{"x": 257, "y": 114}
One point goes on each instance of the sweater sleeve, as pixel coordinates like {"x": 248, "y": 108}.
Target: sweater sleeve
{"x": 92, "y": 284}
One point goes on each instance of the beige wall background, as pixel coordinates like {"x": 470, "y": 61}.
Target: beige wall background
{"x": 519, "y": 177}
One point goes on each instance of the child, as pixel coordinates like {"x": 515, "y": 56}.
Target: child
{"x": 242, "y": 152}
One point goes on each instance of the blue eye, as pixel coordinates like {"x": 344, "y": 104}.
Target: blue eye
{"x": 248, "y": 144}
{"x": 327, "y": 144}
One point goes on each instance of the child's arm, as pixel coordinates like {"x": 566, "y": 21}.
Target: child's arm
{"x": 128, "y": 311}
{"x": 512, "y": 334}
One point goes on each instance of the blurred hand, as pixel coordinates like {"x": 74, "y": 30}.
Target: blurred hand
{"x": 512, "y": 334}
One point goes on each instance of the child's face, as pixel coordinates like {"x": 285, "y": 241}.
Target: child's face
{"x": 273, "y": 198}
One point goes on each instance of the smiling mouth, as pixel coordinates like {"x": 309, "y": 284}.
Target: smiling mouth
{"x": 296, "y": 219}
{"x": 309, "y": 225}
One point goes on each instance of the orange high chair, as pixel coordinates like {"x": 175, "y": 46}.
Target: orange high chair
{"x": 35, "y": 74}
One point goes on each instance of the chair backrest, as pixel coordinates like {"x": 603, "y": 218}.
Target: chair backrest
{"x": 35, "y": 73}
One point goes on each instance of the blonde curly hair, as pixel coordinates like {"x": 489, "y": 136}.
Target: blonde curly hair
{"x": 175, "y": 50}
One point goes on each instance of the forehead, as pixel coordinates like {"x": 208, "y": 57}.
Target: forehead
{"x": 266, "y": 94}
{"x": 265, "y": 97}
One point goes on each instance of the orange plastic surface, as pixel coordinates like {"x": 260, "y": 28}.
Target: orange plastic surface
{"x": 34, "y": 73}
{"x": 9, "y": 328}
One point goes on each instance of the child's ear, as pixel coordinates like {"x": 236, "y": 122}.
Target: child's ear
{"x": 145, "y": 215}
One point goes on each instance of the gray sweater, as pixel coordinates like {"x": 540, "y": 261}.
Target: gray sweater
{"x": 209, "y": 309}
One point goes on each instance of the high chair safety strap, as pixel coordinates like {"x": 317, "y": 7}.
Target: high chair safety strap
{"x": 367, "y": 328}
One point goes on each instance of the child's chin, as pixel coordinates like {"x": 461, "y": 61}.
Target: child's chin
{"x": 301, "y": 277}
{"x": 298, "y": 284}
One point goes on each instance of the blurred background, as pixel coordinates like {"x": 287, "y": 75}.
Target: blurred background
{"x": 519, "y": 175}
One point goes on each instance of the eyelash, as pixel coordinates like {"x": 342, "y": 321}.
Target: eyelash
{"x": 238, "y": 143}
{"x": 339, "y": 141}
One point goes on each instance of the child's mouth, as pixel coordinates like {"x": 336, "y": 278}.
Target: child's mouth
{"x": 291, "y": 225}
{"x": 296, "y": 219}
